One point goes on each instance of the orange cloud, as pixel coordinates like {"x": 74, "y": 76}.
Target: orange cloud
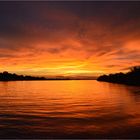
{"x": 77, "y": 39}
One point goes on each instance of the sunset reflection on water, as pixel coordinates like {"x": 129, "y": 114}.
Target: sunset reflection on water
{"x": 69, "y": 109}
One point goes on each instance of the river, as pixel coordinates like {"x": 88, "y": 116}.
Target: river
{"x": 69, "y": 109}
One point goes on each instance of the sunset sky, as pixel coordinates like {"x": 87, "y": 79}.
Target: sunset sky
{"x": 69, "y": 38}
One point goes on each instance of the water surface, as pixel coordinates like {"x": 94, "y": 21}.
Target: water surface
{"x": 69, "y": 109}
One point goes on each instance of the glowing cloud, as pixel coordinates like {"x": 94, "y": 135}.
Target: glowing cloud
{"x": 69, "y": 38}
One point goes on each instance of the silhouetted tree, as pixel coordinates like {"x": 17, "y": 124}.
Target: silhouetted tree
{"x": 5, "y": 76}
{"x": 131, "y": 78}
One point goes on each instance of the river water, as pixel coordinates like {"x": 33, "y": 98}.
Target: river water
{"x": 69, "y": 109}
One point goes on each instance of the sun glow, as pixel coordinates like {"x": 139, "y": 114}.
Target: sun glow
{"x": 62, "y": 41}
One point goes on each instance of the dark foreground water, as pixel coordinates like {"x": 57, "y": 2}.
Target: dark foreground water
{"x": 69, "y": 109}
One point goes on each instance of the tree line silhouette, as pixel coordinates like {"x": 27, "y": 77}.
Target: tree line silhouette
{"x": 130, "y": 78}
{"x": 6, "y": 76}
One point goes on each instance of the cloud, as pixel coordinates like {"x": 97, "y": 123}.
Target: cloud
{"x": 104, "y": 34}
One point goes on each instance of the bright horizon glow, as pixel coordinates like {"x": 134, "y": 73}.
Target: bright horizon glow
{"x": 69, "y": 39}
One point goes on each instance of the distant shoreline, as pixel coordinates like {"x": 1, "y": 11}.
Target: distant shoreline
{"x": 48, "y": 80}
{"x": 130, "y": 78}
{"x": 6, "y": 76}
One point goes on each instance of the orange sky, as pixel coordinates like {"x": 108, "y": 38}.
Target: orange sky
{"x": 69, "y": 38}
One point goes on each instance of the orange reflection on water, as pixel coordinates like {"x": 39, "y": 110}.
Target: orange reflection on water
{"x": 69, "y": 109}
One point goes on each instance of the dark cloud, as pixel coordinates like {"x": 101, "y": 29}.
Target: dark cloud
{"x": 5, "y": 55}
{"x": 57, "y": 50}
{"x": 30, "y": 18}
{"x": 79, "y": 29}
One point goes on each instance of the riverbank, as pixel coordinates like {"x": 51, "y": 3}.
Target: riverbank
{"x": 130, "y": 78}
